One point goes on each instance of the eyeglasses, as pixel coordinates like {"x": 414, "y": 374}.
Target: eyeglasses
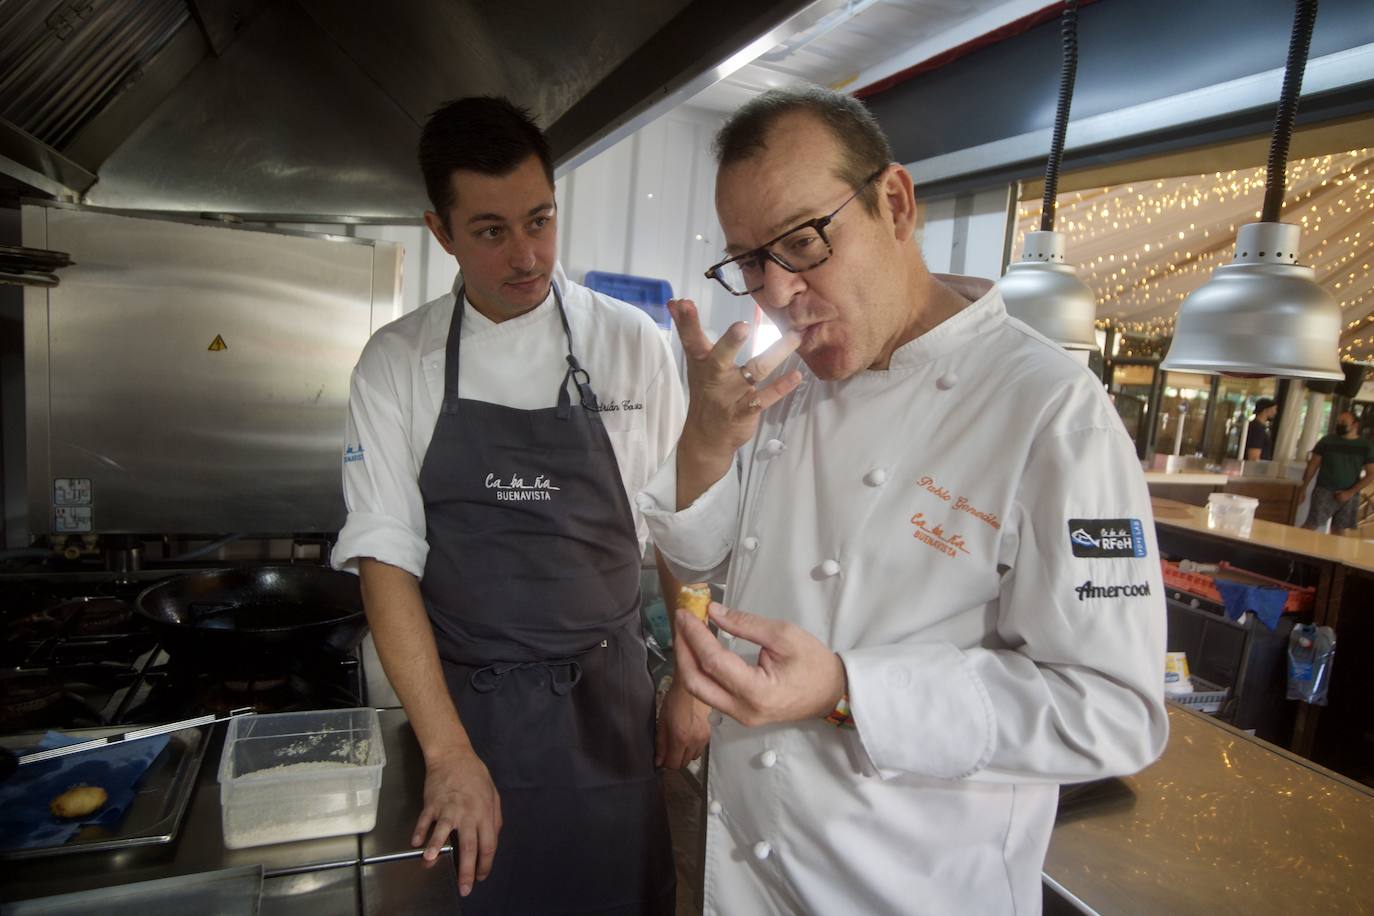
{"x": 799, "y": 249}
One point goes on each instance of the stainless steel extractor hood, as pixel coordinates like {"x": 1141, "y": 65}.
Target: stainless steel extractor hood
{"x": 310, "y": 109}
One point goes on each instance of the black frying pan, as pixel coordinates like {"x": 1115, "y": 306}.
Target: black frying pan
{"x": 256, "y": 609}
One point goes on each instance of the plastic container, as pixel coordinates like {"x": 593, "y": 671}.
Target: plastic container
{"x": 1206, "y": 696}
{"x": 300, "y": 775}
{"x": 1231, "y": 512}
{"x": 1177, "y": 677}
{"x": 650, "y": 294}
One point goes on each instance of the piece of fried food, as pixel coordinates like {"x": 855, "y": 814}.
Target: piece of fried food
{"x": 694, "y": 598}
{"x": 79, "y": 801}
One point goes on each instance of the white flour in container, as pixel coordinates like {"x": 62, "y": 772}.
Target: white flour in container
{"x": 278, "y": 812}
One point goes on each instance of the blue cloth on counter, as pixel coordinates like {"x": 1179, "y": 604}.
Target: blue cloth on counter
{"x": 1265, "y": 601}
{"x": 27, "y": 821}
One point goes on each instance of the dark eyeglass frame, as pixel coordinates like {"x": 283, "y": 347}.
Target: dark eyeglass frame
{"x": 763, "y": 251}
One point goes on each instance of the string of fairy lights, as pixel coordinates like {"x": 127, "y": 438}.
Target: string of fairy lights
{"x": 1143, "y": 247}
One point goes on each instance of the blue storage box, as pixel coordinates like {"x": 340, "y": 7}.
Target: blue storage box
{"x": 649, "y": 294}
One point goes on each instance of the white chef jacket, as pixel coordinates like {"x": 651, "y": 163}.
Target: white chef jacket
{"x": 398, "y": 389}
{"x": 971, "y": 531}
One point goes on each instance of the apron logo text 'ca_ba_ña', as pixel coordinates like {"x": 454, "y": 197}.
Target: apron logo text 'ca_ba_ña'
{"x": 516, "y": 490}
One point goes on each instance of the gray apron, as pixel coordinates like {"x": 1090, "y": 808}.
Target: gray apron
{"x": 532, "y": 586}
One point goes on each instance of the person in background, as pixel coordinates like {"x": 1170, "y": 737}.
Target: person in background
{"x": 1259, "y": 443}
{"x": 943, "y": 586}
{"x": 1343, "y": 464}
{"x": 489, "y": 517}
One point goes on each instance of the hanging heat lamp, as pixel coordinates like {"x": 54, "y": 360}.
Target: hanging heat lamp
{"x": 1042, "y": 289}
{"x": 1264, "y": 314}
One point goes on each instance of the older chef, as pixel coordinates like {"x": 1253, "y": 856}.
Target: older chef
{"x": 490, "y": 519}
{"x": 936, "y": 537}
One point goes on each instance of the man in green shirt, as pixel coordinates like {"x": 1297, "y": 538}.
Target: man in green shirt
{"x": 1343, "y": 464}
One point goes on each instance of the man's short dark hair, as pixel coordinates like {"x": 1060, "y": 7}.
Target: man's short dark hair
{"x": 863, "y": 145}
{"x": 1263, "y": 404}
{"x": 482, "y": 134}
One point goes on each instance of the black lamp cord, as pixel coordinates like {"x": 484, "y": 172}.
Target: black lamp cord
{"x": 1068, "y": 30}
{"x": 1276, "y": 179}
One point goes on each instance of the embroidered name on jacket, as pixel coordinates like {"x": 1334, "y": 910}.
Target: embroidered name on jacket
{"x": 1107, "y": 537}
{"x": 516, "y": 490}
{"x": 1088, "y": 590}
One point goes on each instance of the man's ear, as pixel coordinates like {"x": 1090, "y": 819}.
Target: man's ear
{"x": 897, "y": 191}
{"x": 436, "y": 226}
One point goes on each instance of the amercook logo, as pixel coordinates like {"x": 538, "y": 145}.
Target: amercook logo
{"x": 516, "y": 490}
{"x": 1107, "y": 537}
{"x": 1088, "y": 590}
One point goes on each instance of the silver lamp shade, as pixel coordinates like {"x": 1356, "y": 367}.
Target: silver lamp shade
{"x": 1262, "y": 314}
{"x": 1046, "y": 293}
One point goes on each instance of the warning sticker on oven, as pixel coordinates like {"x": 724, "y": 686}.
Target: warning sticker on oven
{"x": 71, "y": 491}
{"x": 73, "y": 519}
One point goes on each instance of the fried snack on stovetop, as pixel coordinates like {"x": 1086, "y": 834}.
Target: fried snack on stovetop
{"x": 694, "y": 598}
{"x": 79, "y": 801}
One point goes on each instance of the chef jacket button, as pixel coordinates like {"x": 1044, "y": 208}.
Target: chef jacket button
{"x": 947, "y": 381}
{"x": 775, "y": 446}
{"x": 644, "y": 501}
{"x": 874, "y": 478}
{"x": 769, "y": 758}
{"x": 750, "y": 544}
{"x": 762, "y": 850}
{"x": 830, "y": 568}
{"x": 714, "y": 808}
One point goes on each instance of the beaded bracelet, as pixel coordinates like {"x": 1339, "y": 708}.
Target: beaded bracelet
{"x": 840, "y": 716}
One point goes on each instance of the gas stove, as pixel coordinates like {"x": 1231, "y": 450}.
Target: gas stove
{"x": 75, "y": 655}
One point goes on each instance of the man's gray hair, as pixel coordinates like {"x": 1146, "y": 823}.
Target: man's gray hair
{"x": 863, "y": 145}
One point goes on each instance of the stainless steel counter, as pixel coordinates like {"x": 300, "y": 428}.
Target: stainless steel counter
{"x": 377, "y": 872}
{"x": 1222, "y": 823}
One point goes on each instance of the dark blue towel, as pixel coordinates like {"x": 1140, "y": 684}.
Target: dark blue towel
{"x": 1265, "y": 601}
{"x": 25, "y": 818}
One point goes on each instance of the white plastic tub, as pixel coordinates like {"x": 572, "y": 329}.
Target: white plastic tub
{"x": 1231, "y": 512}
{"x": 300, "y": 775}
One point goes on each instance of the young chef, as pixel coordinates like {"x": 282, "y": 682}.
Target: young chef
{"x": 494, "y": 437}
{"x": 943, "y": 582}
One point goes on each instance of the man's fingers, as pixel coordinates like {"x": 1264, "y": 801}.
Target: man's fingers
{"x": 689, "y": 668}
{"x": 727, "y": 348}
{"x": 694, "y": 341}
{"x": 437, "y": 838}
{"x": 467, "y": 856}
{"x": 422, "y": 826}
{"x": 763, "y": 365}
{"x": 767, "y": 397}
{"x": 760, "y": 630}
{"x": 486, "y": 851}
{"x": 703, "y": 688}
{"x": 710, "y": 661}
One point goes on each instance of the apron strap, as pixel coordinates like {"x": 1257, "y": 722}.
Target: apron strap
{"x": 575, "y": 374}
{"x": 564, "y": 675}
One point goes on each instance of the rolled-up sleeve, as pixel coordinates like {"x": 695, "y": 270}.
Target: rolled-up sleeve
{"x": 695, "y": 541}
{"x": 1075, "y": 691}
{"x": 386, "y": 515}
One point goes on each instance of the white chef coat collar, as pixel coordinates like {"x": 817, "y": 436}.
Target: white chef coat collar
{"x": 436, "y": 335}
{"x": 481, "y": 324}
{"x": 960, "y": 329}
